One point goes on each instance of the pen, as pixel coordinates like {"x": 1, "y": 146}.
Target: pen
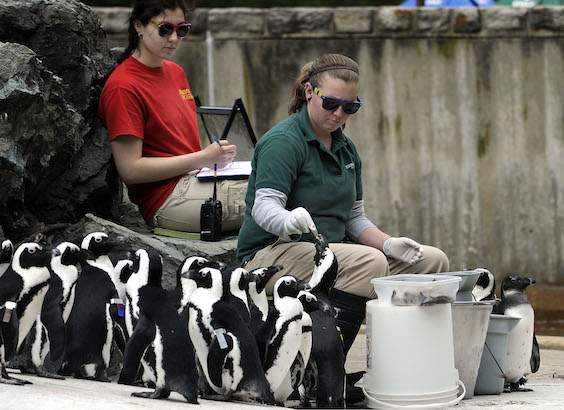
{"x": 215, "y": 165}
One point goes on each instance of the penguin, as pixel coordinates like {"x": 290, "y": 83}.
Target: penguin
{"x": 522, "y": 348}
{"x": 325, "y": 372}
{"x": 23, "y": 287}
{"x": 257, "y": 294}
{"x": 90, "y": 326}
{"x": 280, "y": 337}
{"x": 225, "y": 347}
{"x": 6, "y": 252}
{"x": 123, "y": 269}
{"x": 147, "y": 266}
{"x": 48, "y": 333}
{"x": 159, "y": 327}
{"x": 295, "y": 376}
{"x": 236, "y": 290}
{"x": 484, "y": 289}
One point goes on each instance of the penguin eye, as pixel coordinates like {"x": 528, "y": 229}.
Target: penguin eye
{"x": 261, "y": 274}
{"x": 288, "y": 282}
{"x": 204, "y": 274}
{"x": 98, "y": 239}
{"x": 31, "y": 251}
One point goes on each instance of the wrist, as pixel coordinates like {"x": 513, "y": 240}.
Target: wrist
{"x": 387, "y": 245}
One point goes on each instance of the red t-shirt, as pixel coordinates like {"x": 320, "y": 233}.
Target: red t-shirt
{"x": 156, "y": 105}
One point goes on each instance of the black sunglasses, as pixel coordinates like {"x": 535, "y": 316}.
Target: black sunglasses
{"x": 332, "y": 103}
{"x": 166, "y": 29}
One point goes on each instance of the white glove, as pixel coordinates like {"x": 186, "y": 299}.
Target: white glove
{"x": 299, "y": 222}
{"x": 403, "y": 249}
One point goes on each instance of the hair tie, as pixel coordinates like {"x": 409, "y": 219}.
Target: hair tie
{"x": 339, "y": 67}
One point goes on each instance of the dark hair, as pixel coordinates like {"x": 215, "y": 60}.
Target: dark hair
{"x": 335, "y": 65}
{"x": 145, "y": 10}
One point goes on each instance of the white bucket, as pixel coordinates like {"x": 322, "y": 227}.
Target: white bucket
{"x": 470, "y": 326}
{"x": 410, "y": 356}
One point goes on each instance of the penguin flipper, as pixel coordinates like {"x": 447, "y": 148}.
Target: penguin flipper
{"x": 10, "y": 335}
{"x": 265, "y": 333}
{"x": 535, "y": 355}
{"x": 218, "y": 351}
{"x": 53, "y": 321}
{"x": 142, "y": 337}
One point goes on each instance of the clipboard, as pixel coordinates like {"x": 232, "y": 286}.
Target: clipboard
{"x": 230, "y": 123}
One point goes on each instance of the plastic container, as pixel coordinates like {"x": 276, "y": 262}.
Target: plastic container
{"x": 469, "y": 327}
{"x": 415, "y": 290}
{"x": 468, "y": 280}
{"x": 410, "y": 356}
{"x": 491, "y": 372}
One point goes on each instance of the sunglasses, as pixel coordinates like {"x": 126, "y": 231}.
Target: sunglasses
{"x": 332, "y": 103}
{"x": 166, "y": 29}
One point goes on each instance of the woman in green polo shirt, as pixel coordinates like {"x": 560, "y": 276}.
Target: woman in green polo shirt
{"x": 307, "y": 179}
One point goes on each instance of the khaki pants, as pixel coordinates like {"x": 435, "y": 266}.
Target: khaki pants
{"x": 181, "y": 210}
{"x": 358, "y": 264}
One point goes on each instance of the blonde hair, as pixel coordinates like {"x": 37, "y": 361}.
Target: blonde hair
{"x": 335, "y": 65}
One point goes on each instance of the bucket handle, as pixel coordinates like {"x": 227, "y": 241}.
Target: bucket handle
{"x": 419, "y": 406}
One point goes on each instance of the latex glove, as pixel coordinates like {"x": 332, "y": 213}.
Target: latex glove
{"x": 299, "y": 222}
{"x": 403, "y": 249}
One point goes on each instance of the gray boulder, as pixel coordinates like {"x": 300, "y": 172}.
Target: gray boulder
{"x": 54, "y": 152}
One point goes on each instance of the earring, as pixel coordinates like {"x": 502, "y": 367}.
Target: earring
{"x": 139, "y": 34}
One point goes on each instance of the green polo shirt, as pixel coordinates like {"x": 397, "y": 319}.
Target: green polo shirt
{"x": 290, "y": 159}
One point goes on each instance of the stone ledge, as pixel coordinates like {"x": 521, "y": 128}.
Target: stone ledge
{"x": 323, "y": 22}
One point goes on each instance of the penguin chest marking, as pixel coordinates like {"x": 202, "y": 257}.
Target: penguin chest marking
{"x": 520, "y": 342}
{"x": 106, "y": 349}
{"x": 31, "y": 313}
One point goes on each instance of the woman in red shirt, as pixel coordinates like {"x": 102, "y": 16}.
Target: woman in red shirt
{"x": 150, "y": 114}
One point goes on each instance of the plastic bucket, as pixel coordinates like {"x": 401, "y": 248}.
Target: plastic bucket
{"x": 410, "y": 356}
{"x": 469, "y": 326}
{"x": 468, "y": 280}
{"x": 491, "y": 372}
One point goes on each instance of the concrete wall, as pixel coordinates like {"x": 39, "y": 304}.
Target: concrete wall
{"x": 461, "y": 132}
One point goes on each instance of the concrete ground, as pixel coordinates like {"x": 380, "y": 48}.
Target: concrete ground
{"x": 547, "y": 385}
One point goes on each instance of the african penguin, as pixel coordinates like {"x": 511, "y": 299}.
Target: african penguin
{"x": 325, "y": 372}
{"x": 235, "y": 292}
{"x": 258, "y": 299}
{"x": 23, "y": 287}
{"x": 147, "y": 270}
{"x": 295, "y": 376}
{"x": 521, "y": 351}
{"x": 280, "y": 337}
{"x": 484, "y": 289}
{"x": 224, "y": 345}
{"x": 6, "y": 252}
{"x": 90, "y": 326}
{"x": 48, "y": 333}
{"x": 159, "y": 327}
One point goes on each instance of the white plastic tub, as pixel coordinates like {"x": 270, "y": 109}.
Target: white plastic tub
{"x": 414, "y": 290}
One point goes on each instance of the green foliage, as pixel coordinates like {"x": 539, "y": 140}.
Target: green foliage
{"x": 260, "y": 3}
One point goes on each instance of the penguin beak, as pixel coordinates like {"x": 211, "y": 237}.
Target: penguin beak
{"x": 532, "y": 281}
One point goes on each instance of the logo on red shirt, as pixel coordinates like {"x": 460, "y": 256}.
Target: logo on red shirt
{"x": 186, "y": 94}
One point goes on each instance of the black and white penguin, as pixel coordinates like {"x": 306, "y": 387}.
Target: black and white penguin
{"x": 160, "y": 328}
{"x": 23, "y": 288}
{"x": 522, "y": 348}
{"x": 325, "y": 372}
{"x": 48, "y": 333}
{"x": 295, "y": 377}
{"x": 258, "y": 299}
{"x": 6, "y": 252}
{"x": 224, "y": 344}
{"x": 484, "y": 289}
{"x": 147, "y": 267}
{"x": 90, "y": 326}
{"x": 123, "y": 269}
{"x": 236, "y": 291}
{"x": 280, "y": 337}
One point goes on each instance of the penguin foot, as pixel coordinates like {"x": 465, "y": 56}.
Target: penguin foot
{"x": 516, "y": 387}
{"x": 14, "y": 381}
{"x": 157, "y": 394}
{"x": 42, "y": 372}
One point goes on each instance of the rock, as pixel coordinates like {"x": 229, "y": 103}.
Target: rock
{"x": 54, "y": 151}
